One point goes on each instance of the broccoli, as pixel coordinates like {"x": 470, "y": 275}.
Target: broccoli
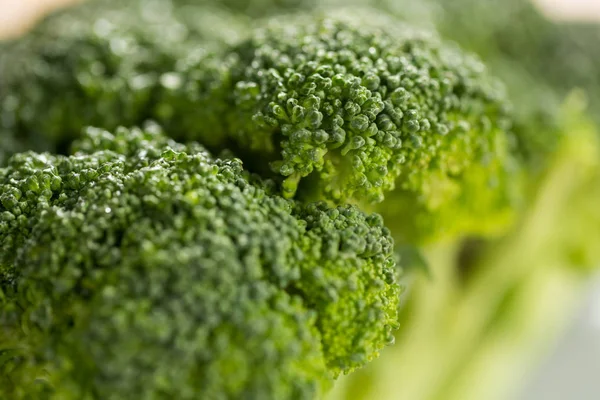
{"x": 539, "y": 60}
{"x": 137, "y": 264}
{"x": 343, "y": 110}
{"x": 358, "y": 113}
{"x": 559, "y": 54}
{"x": 142, "y": 268}
{"x": 468, "y": 335}
{"x": 105, "y": 61}
{"x": 257, "y": 8}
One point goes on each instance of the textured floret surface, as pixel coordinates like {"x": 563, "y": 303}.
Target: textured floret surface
{"x": 139, "y": 267}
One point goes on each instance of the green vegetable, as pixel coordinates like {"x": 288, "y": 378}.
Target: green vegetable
{"x": 141, "y": 268}
{"x": 331, "y": 108}
{"x": 100, "y": 64}
{"x": 135, "y": 266}
{"x": 539, "y": 60}
{"x": 352, "y": 108}
{"x": 474, "y": 327}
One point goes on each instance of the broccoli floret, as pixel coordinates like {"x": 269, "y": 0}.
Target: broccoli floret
{"x": 99, "y": 64}
{"x": 349, "y": 112}
{"x": 142, "y": 268}
{"x": 540, "y": 61}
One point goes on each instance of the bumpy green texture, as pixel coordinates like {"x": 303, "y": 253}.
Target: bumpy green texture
{"x": 99, "y": 64}
{"x": 141, "y": 268}
{"x": 471, "y": 331}
{"x": 349, "y": 112}
{"x": 541, "y": 61}
{"x": 346, "y": 108}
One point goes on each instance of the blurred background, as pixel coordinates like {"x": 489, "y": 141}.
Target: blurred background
{"x": 571, "y": 370}
{"x": 16, "y": 16}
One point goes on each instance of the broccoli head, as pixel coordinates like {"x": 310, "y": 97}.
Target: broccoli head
{"x": 99, "y": 64}
{"x": 143, "y": 268}
{"x": 351, "y": 112}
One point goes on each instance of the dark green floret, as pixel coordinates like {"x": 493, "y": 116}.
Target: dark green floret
{"x": 359, "y": 106}
{"x": 351, "y": 112}
{"x": 101, "y": 64}
{"x": 142, "y": 268}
